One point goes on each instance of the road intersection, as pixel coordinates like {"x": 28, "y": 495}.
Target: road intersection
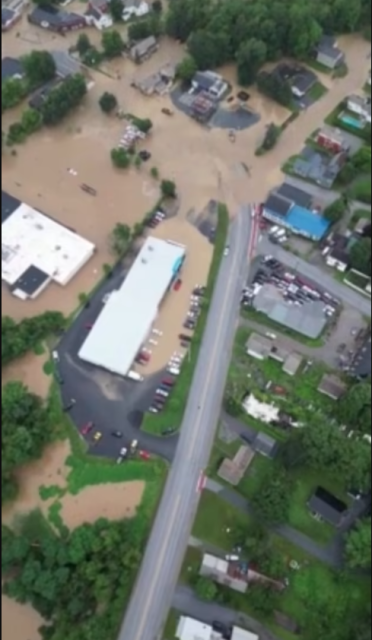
{"x": 154, "y": 589}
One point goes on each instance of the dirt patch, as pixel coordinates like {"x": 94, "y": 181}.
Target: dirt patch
{"x": 174, "y": 309}
{"x": 114, "y": 502}
{"x": 29, "y": 370}
{"x": 19, "y": 621}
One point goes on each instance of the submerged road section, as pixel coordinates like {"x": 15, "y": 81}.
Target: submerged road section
{"x": 153, "y": 593}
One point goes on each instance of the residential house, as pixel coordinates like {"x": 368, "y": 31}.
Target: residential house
{"x": 191, "y": 629}
{"x": 337, "y": 251}
{"x": 143, "y": 50}
{"x": 303, "y": 82}
{"x": 308, "y": 319}
{"x": 319, "y": 167}
{"x": 332, "y": 140}
{"x": 332, "y": 387}
{"x": 66, "y": 65}
{"x": 361, "y": 366}
{"x": 38, "y": 97}
{"x": 135, "y": 9}
{"x": 265, "y": 445}
{"x": 232, "y": 471}
{"x": 48, "y": 17}
{"x": 258, "y": 346}
{"x": 328, "y": 54}
{"x": 325, "y": 507}
{"x": 158, "y": 83}
{"x": 229, "y": 574}
{"x": 11, "y": 68}
{"x": 210, "y": 83}
{"x": 362, "y": 226}
{"x": 101, "y": 5}
{"x": 9, "y": 17}
{"x": 292, "y": 364}
{"x": 360, "y": 105}
{"x": 298, "y": 219}
{"x": 98, "y": 19}
{"x": 261, "y": 347}
{"x": 296, "y": 195}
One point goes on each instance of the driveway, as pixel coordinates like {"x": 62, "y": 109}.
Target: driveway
{"x": 111, "y": 402}
{"x": 186, "y": 603}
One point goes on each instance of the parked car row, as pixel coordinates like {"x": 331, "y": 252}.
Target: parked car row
{"x": 194, "y": 308}
{"x": 296, "y": 289}
{"x": 156, "y": 218}
{"x": 164, "y": 390}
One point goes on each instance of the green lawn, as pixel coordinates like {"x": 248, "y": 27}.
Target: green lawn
{"x": 219, "y": 523}
{"x": 360, "y": 214}
{"x": 190, "y": 566}
{"x": 171, "y": 625}
{"x": 361, "y": 190}
{"x": 173, "y": 413}
{"x": 317, "y": 91}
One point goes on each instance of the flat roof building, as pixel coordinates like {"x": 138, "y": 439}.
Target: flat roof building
{"x": 36, "y": 250}
{"x": 292, "y": 364}
{"x": 232, "y": 471}
{"x": 126, "y": 319}
{"x": 332, "y": 387}
{"x": 191, "y": 629}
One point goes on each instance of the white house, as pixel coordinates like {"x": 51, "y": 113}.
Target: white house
{"x": 96, "y": 18}
{"x": 135, "y": 9}
{"x": 361, "y": 106}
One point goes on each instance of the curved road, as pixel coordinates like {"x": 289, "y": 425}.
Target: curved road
{"x": 157, "y": 579}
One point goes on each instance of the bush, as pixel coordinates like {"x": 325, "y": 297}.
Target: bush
{"x": 16, "y": 134}
{"x": 18, "y": 338}
{"x": 272, "y": 136}
{"x": 143, "y": 124}
{"x": 120, "y": 158}
{"x": 168, "y": 189}
{"x": 334, "y": 213}
{"x": 108, "y": 102}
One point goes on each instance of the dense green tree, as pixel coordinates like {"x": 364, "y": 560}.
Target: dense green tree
{"x": 346, "y": 15}
{"x": 16, "y": 134}
{"x": 358, "y": 546}
{"x": 304, "y": 30}
{"x": 112, "y": 44}
{"x": 250, "y": 57}
{"x": 206, "y": 589}
{"x": 353, "y": 408}
{"x": 120, "y": 158}
{"x": 185, "y": 17}
{"x": 276, "y": 88}
{"x": 335, "y": 211}
{"x": 168, "y": 189}
{"x": 92, "y": 57}
{"x": 120, "y": 238}
{"x": 31, "y": 121}
{"x": 116, "y": 9}
{"x": 142, "y": 29}
{"x": 63, "y": 99}
{"x": 209, "y": 50}
{"x": 360, "y": 255}
{"x": 13, "y": 91}
{"x": 39, "y": 67}
{"x": 157, "y": 6}
{"x": 271, "y": 502}
{"x": 186, "y": 69}
{"x": 18, "y": 338}
{"x": 143, "y": 124}
{"x": 108, "y": 102}
{"x": 83, "y": 43}
{"x": 262, "y": 599}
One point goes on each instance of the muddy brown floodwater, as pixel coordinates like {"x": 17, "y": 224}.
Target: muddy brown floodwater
{"x": 29, "y": 370}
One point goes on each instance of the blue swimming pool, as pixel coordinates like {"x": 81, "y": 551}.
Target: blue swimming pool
{"x": 352, "y": 122}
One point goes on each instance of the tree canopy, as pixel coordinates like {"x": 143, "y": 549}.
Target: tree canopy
{"x": 271, "y": 502}
{"x": 358, "y": 546}
{"x": 354, "y": 409}
{"x": 18, "y": 338}
{"x": 112, "y": 44}
{"x": 108, "y": 102}
{"x": 186, "y": 69}
{"x": 360, "y": 255}
{"x": 39, "y": 67}
{"x": 63, "y": 99}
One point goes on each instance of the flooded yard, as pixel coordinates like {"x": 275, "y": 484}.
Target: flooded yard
{"x": 29, "y": 370}
{"x": 19, "y": 621}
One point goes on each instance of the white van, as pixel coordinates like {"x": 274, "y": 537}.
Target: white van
{"x": 174, "y": 371}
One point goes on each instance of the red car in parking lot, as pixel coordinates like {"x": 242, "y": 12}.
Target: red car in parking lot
{"x": 87, "y": 428}
{"x": 144, "y": 455}
{"x": 177, "y": 284}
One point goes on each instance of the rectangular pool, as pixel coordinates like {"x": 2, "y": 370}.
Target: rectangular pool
{"x": 352, "y": 122}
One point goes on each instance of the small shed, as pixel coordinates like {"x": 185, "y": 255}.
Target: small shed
{"x": 265, "y": 445}
{"x": 292, "y": 364}
{"x": 331, "y": 386}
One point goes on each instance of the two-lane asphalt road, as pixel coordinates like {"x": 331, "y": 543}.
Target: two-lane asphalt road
{"x": 154, "y": 589}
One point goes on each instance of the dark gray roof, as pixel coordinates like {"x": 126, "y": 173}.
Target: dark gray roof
{"x": 10, "y": 67}
{"x": 204, "y": 80}
{"x": 328, "y": 47}
{"x": 38, "y": 98}
{"x": 304, "y": 81}
{"x": 54, "y": 17}
{"x": 319, "y": 167}
{"x": 8, "y": 205}
{"x": 6, "y": 15}
{"x": 30, "y": 281}
{"x": 265, "y": 445}
{"x": 299, "y": 197}
{"x": 327, "y": 506}
{"x": 362, "y": 366}
{"x": 278, "y": 205}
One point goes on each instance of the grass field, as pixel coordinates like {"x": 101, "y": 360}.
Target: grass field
{"x": 171, "y": 626}
{"x": 361, "y": 190}
{"x": 219, "y": 523}
{"x": 317, "y": 91}
{"x": 173, "y": 413}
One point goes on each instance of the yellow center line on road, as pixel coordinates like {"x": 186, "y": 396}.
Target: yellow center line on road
{"x": 161, "y": 558}
{"x": 171, "y": 522}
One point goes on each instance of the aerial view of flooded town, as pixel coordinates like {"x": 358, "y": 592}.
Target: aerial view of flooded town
{"x": 186, "y": 320}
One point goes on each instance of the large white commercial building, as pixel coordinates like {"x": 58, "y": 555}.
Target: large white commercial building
{"x": 37, "y": 250}
{"x": 128, "y": 316}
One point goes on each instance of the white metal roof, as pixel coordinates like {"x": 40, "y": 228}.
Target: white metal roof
{"x": 190, "y": 629}
{"x": 214, "y": 563}
{"x": 30, "y": 238}
{"x": 241, "y": 634}
{"x": 127, "y": 317}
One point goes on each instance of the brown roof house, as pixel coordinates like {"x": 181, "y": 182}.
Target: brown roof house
{"x": 143, "y": 50}
{"x": 232, "y": 471}
{"x": 332, "y": 387}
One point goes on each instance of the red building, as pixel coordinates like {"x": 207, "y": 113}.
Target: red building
{"x": 332, "y": 140}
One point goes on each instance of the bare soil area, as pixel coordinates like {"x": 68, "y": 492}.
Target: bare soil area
{"x": 176, "y": 303}
{"x": 114, "y": 502}
{"x": 29, "y": 370}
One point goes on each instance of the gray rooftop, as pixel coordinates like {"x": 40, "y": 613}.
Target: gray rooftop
{"x": 292, "y": 364}
{"x": 332, "y": 387}
{"x": 11, "y": 68}
{"x": 265, "y": 445}
{"x": 319, "y": 167}
{"x": 296, "y": 195}
{"x": 278, "y": 205}
{"x": 327, "y": 506}
{"x": 328, "y": 47}
{"x": 259, "y": 345}
{"x": 309, "y": 320}
{"x": 66, "y": 65}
